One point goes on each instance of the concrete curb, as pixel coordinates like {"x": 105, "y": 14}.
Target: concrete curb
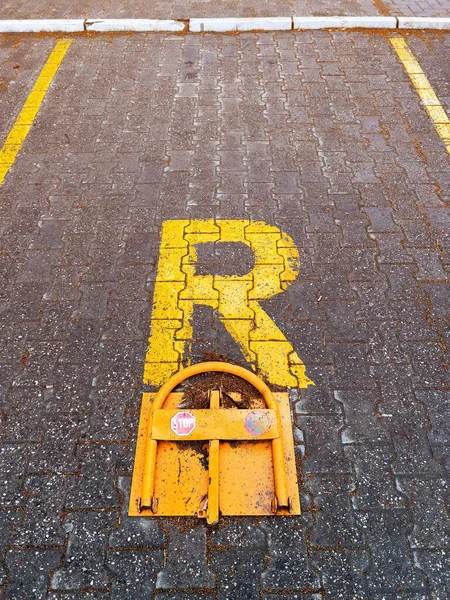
{"x": 241, "y": 24}
{"x": 223, "y": 25}
{"x": 345, "y": 22}
{"x": 105, "y": 25}
{"x": 440, "y": 23}
{"x": 41, "y": 25}
{"x": 82, "y": 25}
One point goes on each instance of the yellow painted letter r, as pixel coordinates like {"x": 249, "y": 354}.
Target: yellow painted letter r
{"x": 235, "y": 298}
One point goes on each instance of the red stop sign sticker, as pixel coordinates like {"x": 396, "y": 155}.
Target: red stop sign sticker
{"x": 183, "y": 423}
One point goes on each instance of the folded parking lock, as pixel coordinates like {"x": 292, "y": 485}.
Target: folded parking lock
{"x": 215, "y": 461}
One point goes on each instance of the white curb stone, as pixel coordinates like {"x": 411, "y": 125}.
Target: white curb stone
{"x": 41, "y": 25}
{"x": 241, "y": 24}
{"x": 220, "y": 25}
{"x": 106, "y": 25}
{"x": 345, "y": 22}
{"x": 423, "y": 23}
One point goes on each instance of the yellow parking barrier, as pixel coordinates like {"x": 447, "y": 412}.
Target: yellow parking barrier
{"x": 160, "y": 479}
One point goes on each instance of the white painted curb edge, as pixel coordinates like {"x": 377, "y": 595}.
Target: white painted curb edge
{"x": 423, "y": 23}
{"x": 344, "y": 22}
{"x": 82, "y": 25}
{"x": 219, "y": 25}
{"x": 106, "y": 25}
{"x": 41, "y": 25}
{"x": 241, "y": 24}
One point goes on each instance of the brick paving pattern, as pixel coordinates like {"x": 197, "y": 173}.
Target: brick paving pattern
{"x": 319, "y": 133}
{"x": 185, "y": 9}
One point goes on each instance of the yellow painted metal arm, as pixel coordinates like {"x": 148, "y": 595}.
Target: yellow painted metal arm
{"x": 214, "y": 425}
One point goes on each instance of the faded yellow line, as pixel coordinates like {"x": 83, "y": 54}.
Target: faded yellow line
{"x": 30, "y": 109}
{"x": 423, "y": 87}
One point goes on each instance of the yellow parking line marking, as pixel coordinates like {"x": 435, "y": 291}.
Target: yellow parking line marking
{"x": 30, "y": 109}
{"x": 423, "y": 87}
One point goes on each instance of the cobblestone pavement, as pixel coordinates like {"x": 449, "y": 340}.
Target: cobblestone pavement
{"x": 185, "y": 9}
{"x": 318, "y": 133}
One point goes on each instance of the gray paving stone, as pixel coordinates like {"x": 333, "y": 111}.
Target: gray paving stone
{"x": 289, "y": 566}
{"x": 342, "y": 573}
{"x": 362, "y": 423}
{"x": 341, "y": 322}
{"x": 390, "y": 567}
{"x": 126, "y": 463}
{"x": 412, "y": 451}
{"x": 428, "y": 498}
{"x": 351, "y": 368}
{"x": 83, "y": 565}
{"x": 134, "y": 532}
{"x": 438, "y": 295}
{"x": 375, "y": 486}
{"x": 426, "y": 359}
{"x": 391, "y": 250}
{"x": 106, "y": 419}
{"x": 334, "y": 283}
{"x": 384, "y": 343}
{"x": 397, "y": 391}
{"x": 240, "y": 534}
{"x": 401, "y": 282}
{"x": 430, "y": 265}
{"x": 69, "y": 394}
{"x": 8, "y": 518}
{"x": 57, "y": 451}
{"x": 435, "y": 564}
{"x": 95, "y": 487}
{"x": 317, "y": 399}
{"x": 238, "y": 557}
{"x": 81, "y": 596}
{"x": 439, "y": 219}
{"x": 50, "y": 234}
{"x": 82, "y": 342}
{"x": 24, "y": 408}
{"x": 373, "y": 297}
{"x": 11, "y": 349}
{"x": 13, "y": 463}
{"x": 186, "y": 566}
{"x": 93, "y": 301}
{"x": 38, "y": 364}
{"x": 45, "y": 499}
{"x": 299, "y": 596}
{"x": 303, "y": 303}
{"x": 437, "y": 406}
{"x": 182, "y": 596}
{"x": 414, "y": 323}
{"x": 29, "y": 572}
{"x": 334, "y": 523}
{"x": 416, "y": 233}
{"x": 53, "y": 318}
{"x": 309, "y": 340}
{"x": 364, "y": 268}
{"x": 241, "y": 8}
{"x": 134, "y": 573}
{"x": 324, "y": 450}
{"x": 115, "y": 368}
{"x": 238, "y": 572}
